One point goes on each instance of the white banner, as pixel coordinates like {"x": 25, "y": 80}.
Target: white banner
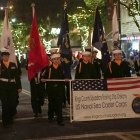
{"x": 101, "y": 105}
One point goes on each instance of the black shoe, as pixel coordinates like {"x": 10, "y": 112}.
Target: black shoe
{"x": 50, "y": 120}
{"x": 6, "y": 125}
{"x": 40, "y": 115}
{"x": 60, "y": 123}
{"x": 36, "y": 115}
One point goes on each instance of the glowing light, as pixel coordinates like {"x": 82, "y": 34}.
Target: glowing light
{"x": 55, "y": 31}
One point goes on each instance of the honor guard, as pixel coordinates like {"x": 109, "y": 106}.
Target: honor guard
{"x": 118, "y": 67}
{"x": 55, "y": 89}
{"x": 9, "y": 85}
{"x": 84, "y": 69}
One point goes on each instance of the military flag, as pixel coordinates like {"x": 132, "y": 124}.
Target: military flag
{"x": 6, "y": 38}
{"x": 98, "y": 32}
{"x": 115, "y": 29}
{"x": 64, "y": 44}
{"x": 37, "y": 57}
{"x": 98, "y": 40}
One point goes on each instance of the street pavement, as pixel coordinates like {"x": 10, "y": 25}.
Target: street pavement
{"x": 26, "y": 127}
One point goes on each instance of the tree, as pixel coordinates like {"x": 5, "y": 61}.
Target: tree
{"x": 133, "y": 7}
{"x": 83, "y": 19}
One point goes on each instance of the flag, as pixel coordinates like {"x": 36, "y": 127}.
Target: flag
{"x": 115, "y": 29}
{"x": 105, "y": 99}
{"x": 37, "y": 57}
{"x": 98, "y": 31}
{"x": 106, "y": 84}
{"x": 86, "y": 85}
{"x": 64, "y": 32}
{"x": 98, "y": 40}
{"x": 123, "y": 84}
{"x": 7, "y": 40}
{"x": 64, "y": 44}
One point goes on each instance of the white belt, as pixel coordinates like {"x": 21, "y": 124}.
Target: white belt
{"x": 7, "y": 80}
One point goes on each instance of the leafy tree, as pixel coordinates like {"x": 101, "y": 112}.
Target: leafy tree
{"x": 133, "y": 7}
{"x": 83, "y": 20}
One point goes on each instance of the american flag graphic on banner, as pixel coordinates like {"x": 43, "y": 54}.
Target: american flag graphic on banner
{"x": 123, "y": 83}
{"x": 99, "y": 84}
{"x": 103, "y": 84}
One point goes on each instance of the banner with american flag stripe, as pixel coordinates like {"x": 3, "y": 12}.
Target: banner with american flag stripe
{"x": 105, "y": 99}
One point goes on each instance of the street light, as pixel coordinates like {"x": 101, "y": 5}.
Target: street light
{"x": 13, "y": 20}
{"x": 1, "y": 8}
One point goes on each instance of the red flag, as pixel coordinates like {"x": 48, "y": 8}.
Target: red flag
{"x": 37, "y": 57}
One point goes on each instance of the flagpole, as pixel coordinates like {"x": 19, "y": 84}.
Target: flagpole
{"x": 119, "y": 19}
{"x": 33, "y": 9}
{"x": 6, "y": 14}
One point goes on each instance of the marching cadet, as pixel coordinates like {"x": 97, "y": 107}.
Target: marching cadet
{"x": 118, "y": 67}
{"x": 66, "y": 60}
{"x": 84, "y": 69}
{"x": 9, "y": 84}
{"x": 55, "y": 89}
{"x": 37, "y": 95}
{"x": 97, "y": 64}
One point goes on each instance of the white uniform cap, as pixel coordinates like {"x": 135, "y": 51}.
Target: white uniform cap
{"x": 55, "y": 55}
{"x": 94, "y": 51}
{"x": 5, "y": 51}
{"x": 86, "y": 53}
{"x": 117, "y": 51}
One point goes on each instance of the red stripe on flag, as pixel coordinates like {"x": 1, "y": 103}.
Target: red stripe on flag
{"x": 123, "y": 83}
{"x": 123, "y": 88}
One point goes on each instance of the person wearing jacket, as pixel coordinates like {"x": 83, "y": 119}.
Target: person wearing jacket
{"x": 9, "y": 85}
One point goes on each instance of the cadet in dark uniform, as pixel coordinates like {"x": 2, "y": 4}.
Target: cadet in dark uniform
{"x": 84, "y": 69}
{"x": 97, "y": 64}
{"x": 66, "y": 60}
{"x": 118, "y": 68}
{"x": 55, "y": 89}
{"x": 9, "y": 84}
{"x": 37, "y": 95}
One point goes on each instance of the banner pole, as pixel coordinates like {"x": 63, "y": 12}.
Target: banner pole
{"x": 71, "y": 114}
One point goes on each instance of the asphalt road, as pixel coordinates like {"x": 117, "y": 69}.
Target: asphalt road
{"x": 26, "y": 127}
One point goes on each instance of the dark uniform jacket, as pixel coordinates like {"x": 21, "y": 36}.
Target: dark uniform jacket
{"x": 52, "y": 73}
{"x": 10, "y": 73}
{"x": 97, "y": 65}
{"x": 85, "y": 71}
{"x": 118, "y": 71}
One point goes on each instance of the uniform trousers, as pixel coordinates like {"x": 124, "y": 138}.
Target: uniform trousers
{"x": 8, "y": 95}
{"x": 37, "y": 97}
{"x": 55, "y": 98}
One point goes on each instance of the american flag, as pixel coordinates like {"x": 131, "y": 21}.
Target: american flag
{"x": 123, "y": 83}
{"x": 103, "y": 84}
{"x": 99, "y": 84}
